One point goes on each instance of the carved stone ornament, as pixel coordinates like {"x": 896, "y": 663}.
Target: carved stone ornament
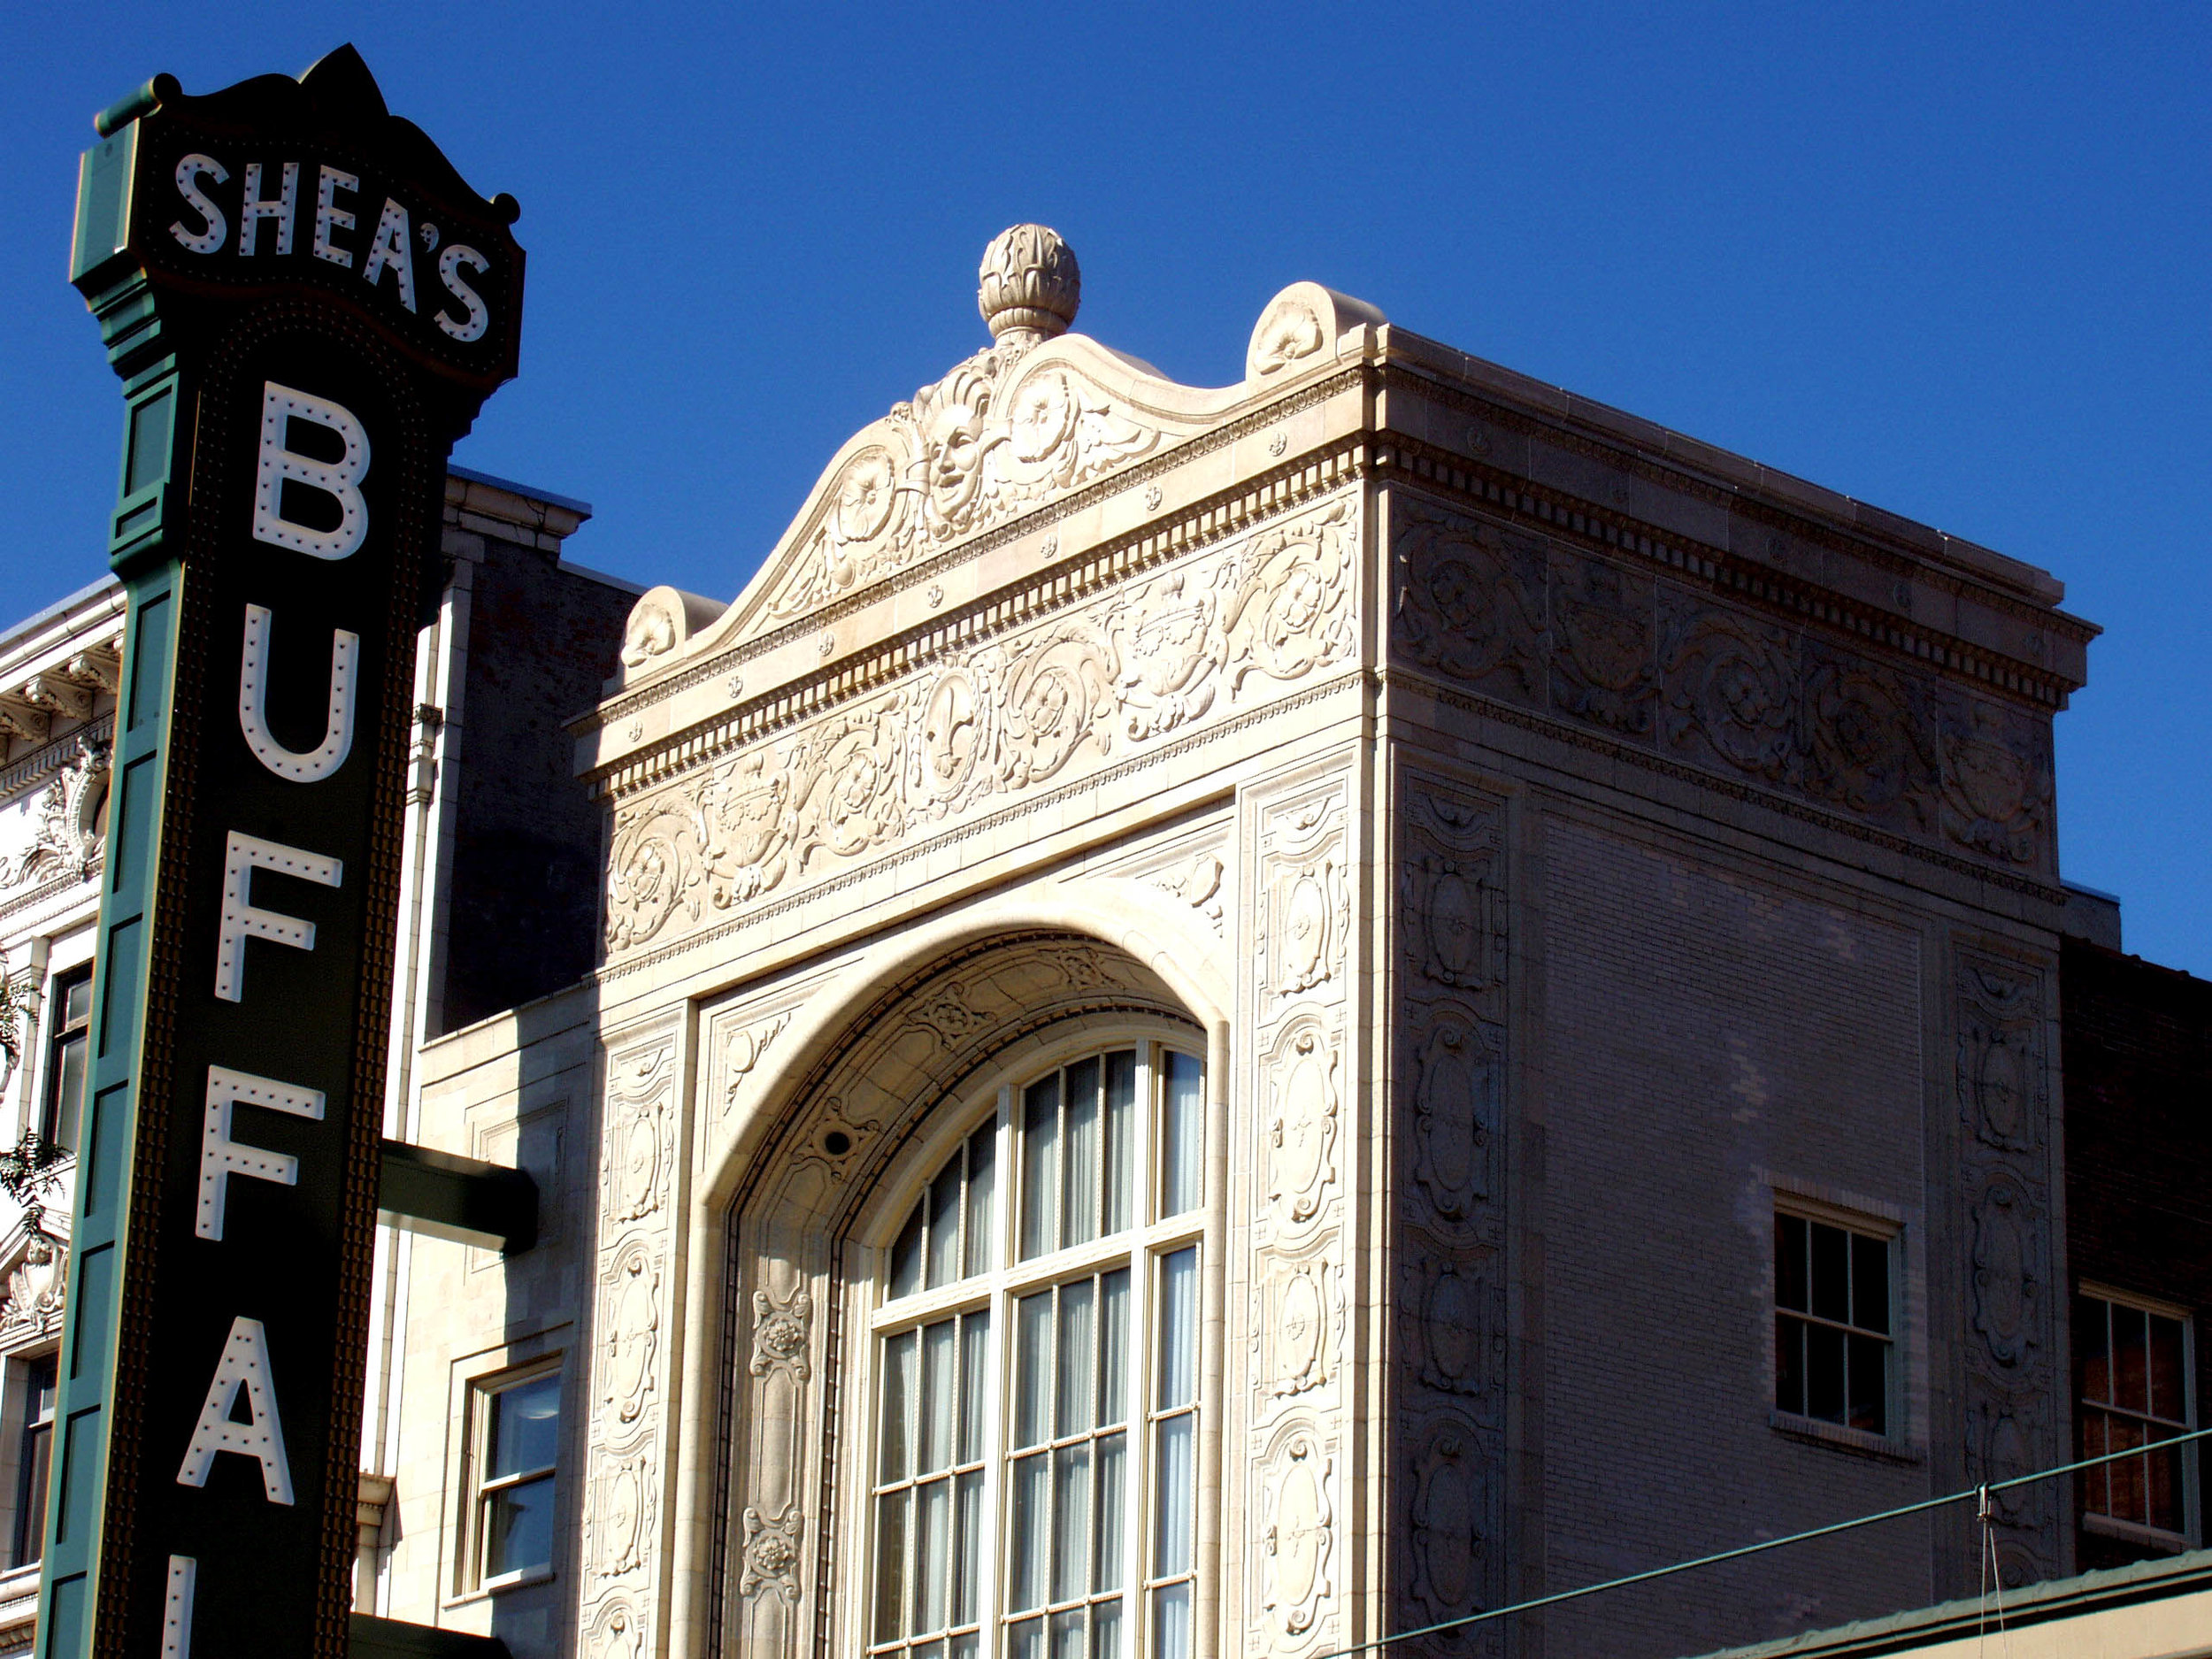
{"x": 1732, "y": 693}
{"x": 1028, "y": 287}
{"x": 1449, "y": 1509}
{"x": 743, "y": 1049}
{"x": 1198, "y": 883}
{"x": 771, "y": 1554}
{"x": 1310, "y": 916}
{"x": 1996, "y": 783}
{"x": 2008, "y": 1276}
{"x": 1470, "y": 602}
{"x": 630, "y": 1320}
{"x": 1016, "y": 712}
{"x": 1869, "y": 749}
{"x": 1456, "y": 919}
{"x": 617, "y": 1631}
{"x": 639, "y": 1144}
{"x": 1453, "y": 1315}
{"x": 1602, "y": 667}
{"x": 1456, "y": 1098}
{"x": 1300, "y": 1537}
{"x": 1302, "y": 1133}
{"x": 2002, "y": 1088}
{"x": 1289, "y": 331}
{"x": 34, "y": 1304}
{"x": 625, "y": 1504}
{"x": 1299, "y": 1327}
{"x": 780, "y": 1334}
{"x": 69, "y": 832}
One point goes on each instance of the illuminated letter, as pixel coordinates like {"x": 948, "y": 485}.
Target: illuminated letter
{"x": 244, "y": 1365}
{"x": 222, "y": 1157}
{"x": 449, "y": 263}
{"x": 329, "y": 214}
{"x": 390, "y": 247}
{"x": 254, "y": 210}
{"x": 176, "y": 1608}
{"x": 253, "y": 693}
{"x": 340, "y": 480}
{"x": 189, "y": 171}
{"x": 242, "y": 854}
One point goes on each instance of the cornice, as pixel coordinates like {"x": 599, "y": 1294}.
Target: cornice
{"x": 1559, "y": 513}
{"x": 54, "y": 755}
{"x": 1734, "y": 788}
{"x": 1862, "y": 543}
{"x": 1295, "y": 399}
{"x": 1267, "y": 495}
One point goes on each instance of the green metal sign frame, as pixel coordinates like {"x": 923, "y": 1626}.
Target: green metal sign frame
{"x": 306, "y": 305}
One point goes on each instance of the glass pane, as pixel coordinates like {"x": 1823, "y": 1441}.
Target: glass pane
{"x": 1079, "y": 1193}
{"x": 1178, "y": 1329}
{"x": 1070, "y": 1521}
{"x": 1027, "y": 1640}
{"x": 31, "y": 1477}
{"x": 906, "y": 1256}
{"x": 1824, "y": 1373}
{"x": 1106, "y": 1565}
{"x": 965, "y": 1646}
{"x": 1182, "y": 1136}
{"x": 76, "y": 1000}
{"x": 2165, "y": 1493}
{"x": 1789, "y": 1363}
{"x": 2091, "y": 1347}
{"x": 1032, "y": 1368}
{"x": 926, "y": 1650}
{"x": 68, "y": 1092}
{"x": 1113, "y": 1347}
{"x": 1832, "y": 1273}
{"x": 1870, "y": 1283}
{"x": 1177, "y": 1477}
{"x": 2096, "y": 1481}
{"x": 525, "y": 1426}
{"x": 1171, "y": 1622}
{"x": 518, "y": 1528}
{"x": 1870, "y": 1366}
{"x": 2129, "y": 1359}
{"x": 975, "y": 1361}
{"x": 932, "y": 1555}
{"x": 1068, "y": 1635}
{"x": 900, "y": 1386}
{"x": 1121, "y": 1128}
{"x": 1040, "y": 1166}
{"x": 2166, "y": 1390}
{"x": 890, "y": 1564}
{"x": 941, "y": 1390}
{"x": 944, "y": 1224}
{"x": 982, "y": 1175}
{"x": 2127, "y": 1472}
{"x": 1031, "y": 1480}
{"x": 1789, "y": 1262}
{"x": 970, "y": 1540}
{"x": 1106, "y": 1630}
{"x": 1078, "y": 1371}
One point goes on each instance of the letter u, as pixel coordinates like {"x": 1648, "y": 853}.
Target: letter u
{"x": 253, "y": 693}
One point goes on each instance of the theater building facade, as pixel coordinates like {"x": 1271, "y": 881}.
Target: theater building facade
{"x": 1233, "y": 1021}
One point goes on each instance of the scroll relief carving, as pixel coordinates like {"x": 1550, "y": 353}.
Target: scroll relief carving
{"x": 1656, "y": 663}
{"x": 1458, "y": 1084}
{"x": 624, "y": 1509}
{"x": 67, "y": 834}
{"x": 1302, "y": 1127}
{"x": 744, "y": 1049}
{"x": 1300, "y": 1536}
{"x": 2003, "y": 1092}
{"x": 1299, "y": 1334}
{"x": 35, "y": 1292}
{"x": 617, "y": 1631}
{"x": 781, "y": 1334}
{"x": 1198, "y": 882}
{"x": 995, "y": 437}
{"x": 1271, "y": 607}
{"x": 1450, "y": 1544}
{"x": 771, "y": 1554}
{"x": 630, "y": 1340}
{"x": 640, "y": 1133}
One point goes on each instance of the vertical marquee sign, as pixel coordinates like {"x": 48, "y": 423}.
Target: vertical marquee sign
{"x": 307, "y": 305}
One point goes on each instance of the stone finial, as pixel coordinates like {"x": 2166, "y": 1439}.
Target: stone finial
{"x": 1030, "y": 285}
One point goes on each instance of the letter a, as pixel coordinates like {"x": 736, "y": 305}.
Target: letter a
{"x": 340, "y": 480}
{"x": 244, "y": 1365}
{"x": 253, "y": 698}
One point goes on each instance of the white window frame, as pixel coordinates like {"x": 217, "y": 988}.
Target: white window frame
{"x": 1893, "y": 1440}
{"x": 1142, "y": 1247}
{"x": 2192, "y": 1521}
{"x": 480, "y": 1487}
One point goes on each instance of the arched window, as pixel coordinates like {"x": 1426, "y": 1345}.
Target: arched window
{"x": 1032, "y": 1474}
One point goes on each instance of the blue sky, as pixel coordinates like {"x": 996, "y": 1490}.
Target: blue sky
{"x": 1950, "y": 260}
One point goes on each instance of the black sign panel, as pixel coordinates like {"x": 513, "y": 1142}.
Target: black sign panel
{"x": 307, "y": 306}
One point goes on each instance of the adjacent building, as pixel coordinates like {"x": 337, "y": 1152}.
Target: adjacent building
{"x": 1234, "y": 1020}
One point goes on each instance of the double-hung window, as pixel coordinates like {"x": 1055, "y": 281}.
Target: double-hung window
{"x": 34, "y": 1459}
{"x": 519, "y": 1434}
{"x": 1033, "y": 1478}
{"x": 2134, "y": 1366}
{"x": 1833, "y": 1330}
{"x": 69, "y": 1028}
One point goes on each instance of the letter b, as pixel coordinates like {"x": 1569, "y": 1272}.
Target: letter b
{"x": 340, "y": 479}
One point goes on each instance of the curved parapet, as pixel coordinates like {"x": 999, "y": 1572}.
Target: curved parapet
{"x": 1303, "y": 326}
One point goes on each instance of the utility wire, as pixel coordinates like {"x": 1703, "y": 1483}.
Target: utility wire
{"x": 1645, "y": 1576}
